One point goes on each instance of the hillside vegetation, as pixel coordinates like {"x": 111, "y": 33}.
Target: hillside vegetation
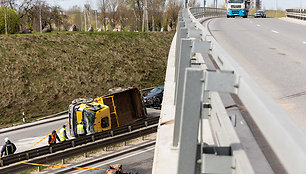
{"x": 42, "y": 73}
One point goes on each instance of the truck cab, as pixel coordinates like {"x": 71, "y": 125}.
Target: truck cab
{"x": 238, "y": 8}
{"x": 96, "y": 117}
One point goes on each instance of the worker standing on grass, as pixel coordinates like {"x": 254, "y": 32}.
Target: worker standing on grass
{"x": 80, "y": 129}
{"x": 8, "y": 148}
{"x": 52, "y": 138}
{"x": 63, "y": 133}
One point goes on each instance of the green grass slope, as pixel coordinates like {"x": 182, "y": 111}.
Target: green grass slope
{"x": 41, "y": 74}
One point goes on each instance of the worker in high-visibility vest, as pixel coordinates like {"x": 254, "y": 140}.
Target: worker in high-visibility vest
{"x": 63, "y": 134}
{"x": 52, "y": 138}
{"x": 81, "y": 129}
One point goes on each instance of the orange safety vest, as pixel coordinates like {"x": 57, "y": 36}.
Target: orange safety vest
{"x": 53, "y": 139}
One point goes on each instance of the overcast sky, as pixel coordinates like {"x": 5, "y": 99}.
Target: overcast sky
{"x": 267, "y": 4}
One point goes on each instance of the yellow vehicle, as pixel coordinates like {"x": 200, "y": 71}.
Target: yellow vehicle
{"x": 106, "y": 112}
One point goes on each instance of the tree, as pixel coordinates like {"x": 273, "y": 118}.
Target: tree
{"x": 75, "y": 16}
{"x": 173, "y": 8}
{"x": 12, "y": 19}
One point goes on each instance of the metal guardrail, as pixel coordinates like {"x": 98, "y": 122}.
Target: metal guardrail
{"x": 200, "y": 12}
{"x": 73, "y": 147}
{"x": 297, "y": 13}
{"x": 197, "y": 98}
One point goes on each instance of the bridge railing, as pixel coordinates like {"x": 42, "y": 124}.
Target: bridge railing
{"x": 297, "y": 13}
{"x": 196, "y": 99}
{"x": 200, "y": 12}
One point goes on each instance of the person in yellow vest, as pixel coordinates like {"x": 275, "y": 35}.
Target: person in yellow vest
{"x": 63, "y": 134}
{"x": 81, "y": 129}
{"x": 52, "y": 138}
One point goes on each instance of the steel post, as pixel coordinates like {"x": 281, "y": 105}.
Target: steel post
{"x": 190, "y": 114}
{"x": 183, "y": 63}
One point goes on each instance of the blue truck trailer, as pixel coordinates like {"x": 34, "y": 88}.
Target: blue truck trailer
{"x": 238, "y": 8}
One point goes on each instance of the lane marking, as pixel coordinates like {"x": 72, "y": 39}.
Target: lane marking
{"x": 121, "y": 158}
{"x": 304, "y": 42}
{"x": 241, "y": 122}
{"x": 258, "y": 25}
{"x": 275, "y": 31}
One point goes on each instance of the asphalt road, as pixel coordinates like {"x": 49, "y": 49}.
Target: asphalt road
{"x": 272, "y": 52}
{"x": 27, "y": 137}
{"x": 139, "y": 161}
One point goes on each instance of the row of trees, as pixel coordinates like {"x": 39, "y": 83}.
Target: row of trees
{"x": 133, "y": 15}
{"x": 30, "y": 14}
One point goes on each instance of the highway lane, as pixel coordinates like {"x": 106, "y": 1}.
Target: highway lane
{"x": 272, "y": 52}
{"x": 27, "y": 137}
{"x": 140, "y": 161}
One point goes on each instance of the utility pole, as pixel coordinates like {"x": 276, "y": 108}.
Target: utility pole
{"x": 276, "y": 6}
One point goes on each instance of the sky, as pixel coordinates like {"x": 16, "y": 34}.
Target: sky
{"x": 267, "y": 4}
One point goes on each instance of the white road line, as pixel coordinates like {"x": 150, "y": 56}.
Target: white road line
{"x": 258, "y": 25}
{"x": 275, "y": 31}
{"x": 304, "y": 42}
{"x": 241, "y": 122}
{"x": 82, "y": 171}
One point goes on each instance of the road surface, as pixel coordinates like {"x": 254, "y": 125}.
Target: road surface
{"x": 27, "y": 137}
{"x": 272, "y": 52}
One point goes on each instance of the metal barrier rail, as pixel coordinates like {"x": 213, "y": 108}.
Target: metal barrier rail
{"x": 81, "y": 149}
{"x": 196, "y": 98}
{"x": 297, "y": 13}
{"x": 28, "y": 155}
{"x": 200, "y": 12}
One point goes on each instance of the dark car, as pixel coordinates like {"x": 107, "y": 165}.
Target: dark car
{"x": 260, "y": 14}
{"x": 155, "y": 97}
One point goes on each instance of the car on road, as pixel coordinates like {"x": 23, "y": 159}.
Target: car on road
{"x": 155, "y": 97}
{"x": 260, "y": 14}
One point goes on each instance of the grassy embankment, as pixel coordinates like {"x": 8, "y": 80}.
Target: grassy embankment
{"x": 272, "y": 13}
{"x": 42, "y": 73}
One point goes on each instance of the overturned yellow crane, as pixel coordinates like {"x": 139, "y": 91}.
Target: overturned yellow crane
{"x": 106, "y": 112}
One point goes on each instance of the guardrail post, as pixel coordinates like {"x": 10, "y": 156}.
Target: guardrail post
{"x": 38, "y": 168}
{"x": 184, "y": 62}
{"x": 190, "y": 115}
{"x": 72, "y": 143}
{"x": 50, "y": 149}
{"x": 85, "y": 154}
{"x": 2, "y": 163}
{"x": 93, "y": 138}
{"x": 63, "y": 161}
{"x": 181, "y": 34}
{"x": 27, "y": 156}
